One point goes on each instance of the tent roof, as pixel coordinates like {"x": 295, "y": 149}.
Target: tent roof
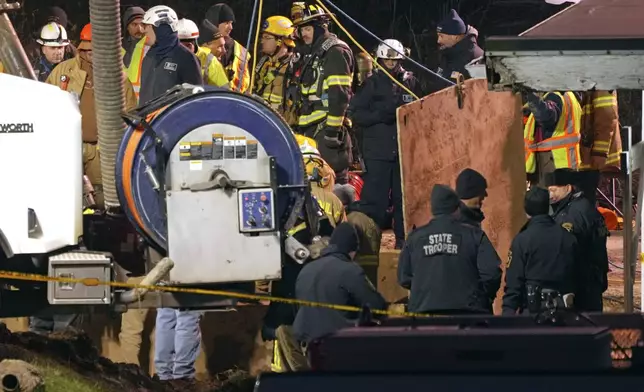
{"x": 594, "y": 18}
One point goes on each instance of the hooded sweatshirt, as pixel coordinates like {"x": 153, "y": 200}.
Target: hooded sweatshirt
{"x": 455, "y": 58}
{"x": 167, "y": 64}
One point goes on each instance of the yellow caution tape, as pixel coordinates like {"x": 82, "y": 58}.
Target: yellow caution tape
{"x": 92, "y": 282}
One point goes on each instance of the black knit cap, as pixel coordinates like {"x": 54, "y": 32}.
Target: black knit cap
{"x": 444, "y": 200}
{"x": 537, "y": 202}
{"x": 470, "y": 184}
{"x": 560, "y": 177}
{"x": 220, "y": 13}
{"x": 132, "y": 13}
{"x": 452, "y": 24}
{"x": 345, "y": 238}
{"x": 51, "y": 14}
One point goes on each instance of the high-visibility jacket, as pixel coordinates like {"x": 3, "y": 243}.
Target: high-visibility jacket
{"x": 214, "y": 73}
{"x": 564, "y": 142}
{"x": 241, "y": 63}
{"x": 133, "y": 69}
{"x": 1, "y": 67}
{"x": 271, "y": 79}
{"x": 601, "y": 143}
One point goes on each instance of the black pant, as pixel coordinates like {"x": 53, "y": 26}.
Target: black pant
{"x": 381, "y": 178}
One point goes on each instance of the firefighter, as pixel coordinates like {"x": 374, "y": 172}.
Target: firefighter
{"x": 541, "y": 257}
{"x": 576, "y": 214}
{"x": 236, "y": 59}
{"x": 449, "y": 267}
{"x": 44, "y": 16}
{"x": 275, "y": 68}
{"x": 551, "y": 133}
{"x": 601, "y": 144}
{"x": 373, "y": 111}
{"x": 52, "y": 40}
{"x": 471, "y": 188}
{"x": 325, "y": 86}
{"x": 364, "y": 70}
{"x": 188, "y": 33}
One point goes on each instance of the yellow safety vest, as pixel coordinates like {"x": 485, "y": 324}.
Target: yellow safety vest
{"x": 214, "y": 73}
{"x": 241, "y": 61}
{"x": 134, "y": 68}
{"x": 564, "y": 143}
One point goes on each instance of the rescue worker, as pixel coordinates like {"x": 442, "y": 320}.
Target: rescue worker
{"x": 77, "y": 76}
{"x": 236, "y": 59}
{"x": 601, "y": 144}
{"x": 287, "y": 354}
{"x": 210, "y": 55}
{"x": 471, "y": 188}
{"x": 275, "y": 67}
{"x": 576, "y": 214}
{"x": 458, "y": 47}
{"x": 449, "y": 267}
{"x": 167, "y": 63}
{"x": 333, "y": 279}
{"x": 325, "y": 86}
{"x": 52, "y": 41}
{"x": 133, "y": 32}
{"x": 43, "y": 17}
{"x": 373, "y": 110}
{"x": 364, "y": 70}
{"x": 297, "y": 13}
{"x": 551, "y": 133}
{"x": 188, "y": 34}
{"x": 541, "y": 257}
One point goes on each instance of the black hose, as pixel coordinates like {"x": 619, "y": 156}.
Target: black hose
{"x": 109, "y": 92}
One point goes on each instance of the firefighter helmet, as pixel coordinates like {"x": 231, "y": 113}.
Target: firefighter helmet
{"x": 310, "y": 14}
{"x": 391, "y": 49}
{"x": 53, "y": 34}
{"x": 281, "y": 27}
{"x": 317, "y": 170}
{"x": 161, "y": 14}
{"x": 187, "y": 29}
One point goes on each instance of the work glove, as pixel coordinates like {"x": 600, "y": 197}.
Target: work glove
{"x": 333, "y": 137}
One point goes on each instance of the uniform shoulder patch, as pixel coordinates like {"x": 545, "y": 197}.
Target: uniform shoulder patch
{"x": 507, "y": 265}
{"x": 567, "y": 226}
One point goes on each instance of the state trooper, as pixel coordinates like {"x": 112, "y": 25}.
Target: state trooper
{"x": 542, "y": 258}
{"x": 449, "y": 267}
{"x": 576, "y": 214}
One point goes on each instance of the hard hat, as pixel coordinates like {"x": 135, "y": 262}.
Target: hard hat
{"x": 280, "y": 26}
{"x": 390, "y": 49}
{"x": 86, "y": 33}
{"x": 161, "y": 14}
{"x": 53, "y": 34}
{"x": 187, "y": 29}
{"x": 297, "y": 10}
{"x": 317, "y": 169}
{"x": 310, "y": 14}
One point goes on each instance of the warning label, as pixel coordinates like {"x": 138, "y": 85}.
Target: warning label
{"x": 240, "y": 147}
{"x": 195, "y": 151}
{"x": 219, "y": 148}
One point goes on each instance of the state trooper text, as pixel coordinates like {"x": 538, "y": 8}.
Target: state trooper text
{"x": 440, "y": 243}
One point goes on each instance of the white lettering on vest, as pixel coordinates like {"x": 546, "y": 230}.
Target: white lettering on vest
{"x": 440, "y": 244}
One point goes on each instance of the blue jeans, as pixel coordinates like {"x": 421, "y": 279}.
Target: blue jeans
{"x": 177, "y": 343}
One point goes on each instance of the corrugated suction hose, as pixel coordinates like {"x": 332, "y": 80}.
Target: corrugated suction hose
{"x": 108, "y": 89}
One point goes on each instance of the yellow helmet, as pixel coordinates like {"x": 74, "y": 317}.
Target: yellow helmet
{"x": 317, "y": 170}
{"x": 309, "y": 14}
{"x": 280, "y": 26}
{"x": 297, "y": 10}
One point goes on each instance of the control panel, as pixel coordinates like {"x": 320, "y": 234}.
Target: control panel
{"x": 256, "y": 210}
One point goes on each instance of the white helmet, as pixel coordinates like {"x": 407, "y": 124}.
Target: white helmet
{"x": 187, "y": 29}
{"x": 161, "y": 14}
{"x": 391, "y": 49}
{"x": 53, "y": 34}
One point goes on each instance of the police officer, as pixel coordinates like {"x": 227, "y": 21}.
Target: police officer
{"x": 471, "y": 188}
{"x": 542, "y": 257}
{"x": 325, "y": 85}
{"x": 450, "y": 267}
{"x": 373, "y": 110}
{"x": 576, "y": 214}
{"x": 334, "y": 279}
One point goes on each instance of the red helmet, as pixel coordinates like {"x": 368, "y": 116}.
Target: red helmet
{"x": 356, "y": 182}
{"x": 86, "y": 33}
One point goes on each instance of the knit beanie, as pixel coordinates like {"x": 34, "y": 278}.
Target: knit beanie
{"x": 132, "y": 13}
{"x": 470, "y": 184}
{"x": 444, "y": 200}
{"x": 345, "y": 238}
{"x": 537, "y": 202}
{"x": 220, "y": 13}
{"x": 452, "y": 24}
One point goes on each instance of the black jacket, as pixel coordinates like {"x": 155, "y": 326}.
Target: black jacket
{"x": 455, "y": 58}
{"x": 543, "y": 254}
{"x": 576, "y": 214}
{"x": 471, "y": 216}
{"x": 167, "y": 66}
{"x": 449, "y": 266}
{"x": 332, "y": 279}
{"x": 373, "y": 111}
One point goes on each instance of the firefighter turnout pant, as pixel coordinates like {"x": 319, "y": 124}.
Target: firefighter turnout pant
{"x": 337, "y": 156}
{"x": 92, "y": 169}
{"x": 288, "y": 355}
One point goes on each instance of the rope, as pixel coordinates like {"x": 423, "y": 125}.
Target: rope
{"x": 383, "y": 42}
{"x": 364, "y": 50}
{"x": 250, "y": 34}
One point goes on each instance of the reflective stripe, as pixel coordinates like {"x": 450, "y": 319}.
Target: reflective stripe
{"x": 276, "y": 364}
{"x": 316, "y": 116}
{"x": 241, "y": 57}
{"x": 334, "y": 121}
{"x": 337, "y": 80}
{"x": 136, "y": 63}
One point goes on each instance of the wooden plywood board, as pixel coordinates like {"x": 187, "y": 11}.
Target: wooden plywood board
{"x": 388, "y": 277}
{"x": 437, "y": 140}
